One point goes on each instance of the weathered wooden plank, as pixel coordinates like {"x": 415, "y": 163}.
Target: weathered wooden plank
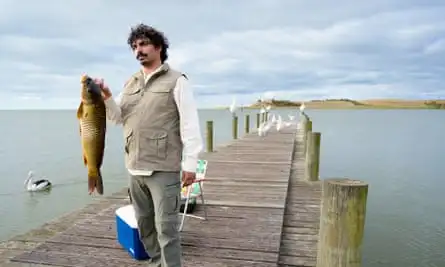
{"x": 252, "y": 203}
{"x": 239, "y": 179}
{"x": 231, "y": 190}
{"x": 257, "y": 199}
{"x": 294, "y": 261}
{"x": 260, "y": 160}
{"x": 257, "y": 180}
{"x": 247, "y": 167}
{"x": 246, "y": 201}
{"x": 245, "y": 153}
{"x": 291, "y": 230}
{"x": 260, "y": 148}
{"x": 234, "y": 227}
{"x": 259, "y": 171}
{"x": 207, "y": 261}
{"x": 213, "y": 211}
{"x": 266, "y": 184}
{"x": 119, "y": 258}
{"x": 188, "y": 239}
{"x": 193, "y": 249}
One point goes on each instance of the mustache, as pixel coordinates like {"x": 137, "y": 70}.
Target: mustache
{"x": 141, "y": 54}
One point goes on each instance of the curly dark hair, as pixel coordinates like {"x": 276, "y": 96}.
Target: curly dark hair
{"x": 157, "y": 38}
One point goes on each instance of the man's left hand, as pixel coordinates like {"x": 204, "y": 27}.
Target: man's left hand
{"x": 188, "y": 178}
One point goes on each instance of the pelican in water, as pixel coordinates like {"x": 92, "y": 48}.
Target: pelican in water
{"x": 38, "y": 185}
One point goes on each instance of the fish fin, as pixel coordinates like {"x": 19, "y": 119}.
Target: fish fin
{"x": 85, "y": 160}
{"x": 95, "y": 181}
{"x": 80, "y": 110}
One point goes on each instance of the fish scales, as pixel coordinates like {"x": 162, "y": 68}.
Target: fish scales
{"x": 89, "y": 127}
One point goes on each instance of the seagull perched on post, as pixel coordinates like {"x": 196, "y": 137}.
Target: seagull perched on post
{"x": 302, "y": 107}
{"x": 232, "y": 107}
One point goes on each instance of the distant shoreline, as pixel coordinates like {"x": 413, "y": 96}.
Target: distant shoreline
{"x": 333, "y": 104}
{"x": 352, "y": 104}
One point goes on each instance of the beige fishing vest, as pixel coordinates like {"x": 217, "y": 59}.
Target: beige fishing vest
{"x": 151, "y": 122}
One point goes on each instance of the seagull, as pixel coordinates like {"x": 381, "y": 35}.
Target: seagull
{"x": 232, "y": 107}
{"x": 279, "y": 123}
{"x": 302, "y": 107}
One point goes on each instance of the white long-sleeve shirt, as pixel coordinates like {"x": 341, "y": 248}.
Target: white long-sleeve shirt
{"x": 189, "y": 123}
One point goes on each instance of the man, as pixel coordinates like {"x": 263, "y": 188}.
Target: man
{"x": 161, "y": 129}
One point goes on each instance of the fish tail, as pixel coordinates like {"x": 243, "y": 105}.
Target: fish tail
{"x": 95, "y": 181}
{"x": 99, "y": 183}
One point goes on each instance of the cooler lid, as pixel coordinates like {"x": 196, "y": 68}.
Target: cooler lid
{"x": 127, "y": 214}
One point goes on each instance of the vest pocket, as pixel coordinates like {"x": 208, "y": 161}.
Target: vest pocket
{"x": 131, "y": 98}
{"x": 152, "y": 145}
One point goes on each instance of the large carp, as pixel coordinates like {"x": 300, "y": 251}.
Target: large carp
{"x": 92, "y": 126}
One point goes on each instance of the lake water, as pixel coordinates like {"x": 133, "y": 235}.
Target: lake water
{"x": 398, "y": 152}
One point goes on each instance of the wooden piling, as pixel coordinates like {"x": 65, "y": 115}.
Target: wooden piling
{"x": 342, "y": 222}
{"x": 235, "y": 127}
{"x": 306, "y": 127}
{"x": 209, "y": 136}
{"x": 247, "y": 124}
{"x": 312, "y": 162}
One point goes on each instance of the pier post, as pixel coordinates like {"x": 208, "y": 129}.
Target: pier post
{"x": 258, "y": 120}
{"x": 307, "y": 130}
{"x": 342, "y": 222}
{"x": 305, "y": 127}
{"x": 247, "y": 124}
{"x": 312, "y": 162}
{"x": 235, "y": 127}
{"x": 209, "y": 136}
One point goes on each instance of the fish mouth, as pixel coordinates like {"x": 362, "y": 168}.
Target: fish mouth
{"x": 92, "y": 87}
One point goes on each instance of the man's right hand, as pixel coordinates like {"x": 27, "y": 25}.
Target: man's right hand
{"x": 106, "y": 92}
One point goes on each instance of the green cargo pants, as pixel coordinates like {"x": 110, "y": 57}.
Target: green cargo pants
{"x": 156, "y": 200}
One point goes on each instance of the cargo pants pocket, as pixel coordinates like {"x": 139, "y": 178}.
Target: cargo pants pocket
{"x": 168, "y": 215}
{"x": 172, "y": 198}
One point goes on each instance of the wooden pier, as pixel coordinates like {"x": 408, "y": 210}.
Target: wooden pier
{"x": 261, "y": 212}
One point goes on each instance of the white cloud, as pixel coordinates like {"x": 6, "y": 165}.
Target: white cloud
{"x": 285, "y": 48}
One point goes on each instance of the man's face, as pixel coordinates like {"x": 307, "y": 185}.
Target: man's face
{"x": 145, "y": 51}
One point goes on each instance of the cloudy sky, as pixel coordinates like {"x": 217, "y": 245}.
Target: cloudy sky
{"x": 294, "y": 49}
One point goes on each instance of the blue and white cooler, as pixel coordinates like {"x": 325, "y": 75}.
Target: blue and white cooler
{"x": 127, "y": 232}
